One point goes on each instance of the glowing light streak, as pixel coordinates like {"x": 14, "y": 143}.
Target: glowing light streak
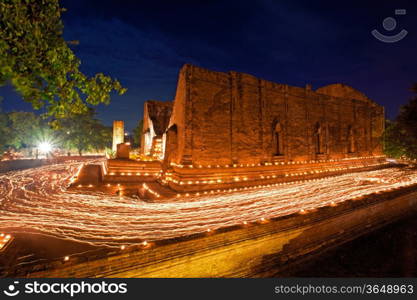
{"x": 45, "y": 147}
{"x": 5, "y": 239}
{"x": 38, "y": 200}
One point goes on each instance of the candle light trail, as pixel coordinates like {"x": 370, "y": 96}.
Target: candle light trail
{"x": 38, "y": 200}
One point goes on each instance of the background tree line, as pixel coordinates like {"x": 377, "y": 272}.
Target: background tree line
{"x": 400, "y": 137}
{"x": 38, "y": 62}
{"x": 78, "y": 132}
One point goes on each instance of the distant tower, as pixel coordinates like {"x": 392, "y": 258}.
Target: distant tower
{"x": 118, "y": 134}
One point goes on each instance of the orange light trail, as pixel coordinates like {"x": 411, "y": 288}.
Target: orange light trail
{"x": 38, "y": 200}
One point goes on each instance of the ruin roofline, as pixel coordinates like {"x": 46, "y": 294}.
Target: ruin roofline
{"x": 334, "y": 90}
{"x": 160, "y": 102}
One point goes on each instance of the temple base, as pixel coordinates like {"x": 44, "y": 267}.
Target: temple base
{"x": 192, "y": 179}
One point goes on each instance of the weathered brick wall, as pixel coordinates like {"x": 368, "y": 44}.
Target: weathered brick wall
{"x": 177, "y": 128}
{"x": 226, "y": 118}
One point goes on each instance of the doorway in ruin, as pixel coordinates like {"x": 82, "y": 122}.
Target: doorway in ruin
{"x": 171, "y": 143}
{"x": 351, "y": 140}
{"x": 278, "y": 139}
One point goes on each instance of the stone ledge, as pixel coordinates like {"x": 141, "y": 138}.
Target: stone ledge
{"x": 245, "y": 251}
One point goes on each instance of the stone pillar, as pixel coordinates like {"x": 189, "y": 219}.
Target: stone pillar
{"x": 118, "y": 134}
{"x": 187, "y": 157}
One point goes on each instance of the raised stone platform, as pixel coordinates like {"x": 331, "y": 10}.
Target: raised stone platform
{"x": 189, "y": 178}
{"x": 150, "y": 181}
{"x": 133, "y": 171}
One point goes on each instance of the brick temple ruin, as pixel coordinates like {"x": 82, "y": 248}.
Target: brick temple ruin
{"x": 231, "y": 130}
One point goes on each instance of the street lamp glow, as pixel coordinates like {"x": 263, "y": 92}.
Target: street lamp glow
{"x": 45, "y": 147}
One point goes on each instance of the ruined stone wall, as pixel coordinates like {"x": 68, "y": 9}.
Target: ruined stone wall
{"x": 176, "y": 137}
{"x": 231, "y": 118}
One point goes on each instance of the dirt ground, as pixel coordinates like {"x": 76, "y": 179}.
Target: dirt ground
{"x": 388, "y": 252}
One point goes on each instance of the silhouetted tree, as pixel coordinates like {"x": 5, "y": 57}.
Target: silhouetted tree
{"x": 393, "y": 146}
{"x": 37, "y": 61}
{"x": 23, "y": 130}
{"x": 137, "y": 134}
{"x": 4, "y": 129}
{"x": 84, "y": 132}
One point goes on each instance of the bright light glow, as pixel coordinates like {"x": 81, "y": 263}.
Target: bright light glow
{"x": 45, "y": 147}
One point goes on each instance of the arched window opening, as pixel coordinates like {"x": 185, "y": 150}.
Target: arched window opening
{"x": 278, "y": 141}
{"x": 351, "y": 140}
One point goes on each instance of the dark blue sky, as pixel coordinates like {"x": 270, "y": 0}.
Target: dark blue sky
{"x": 144, "y": 43}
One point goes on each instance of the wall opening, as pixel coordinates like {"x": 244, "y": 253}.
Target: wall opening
{"x": 318, "y": 138}
{"x": 171, "y": 143}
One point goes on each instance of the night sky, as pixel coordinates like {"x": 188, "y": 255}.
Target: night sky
{"x": 144, "y": 44}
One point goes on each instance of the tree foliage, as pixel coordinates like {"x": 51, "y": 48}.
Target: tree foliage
{"x": 26, "y": 127}
{"x": 401, "y": 135}
{"x": 392, "y": 141}
{"x": 84, "y": 132}
{"x": 4, "y": 130}
{"x": 37, "y": 61}
{"x": 26, "y": 130}
{"x": 20, "y": 130}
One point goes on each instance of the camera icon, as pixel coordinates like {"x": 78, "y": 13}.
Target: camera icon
{"x": 390, "y": 24}
{"x": 11, "y": 289}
